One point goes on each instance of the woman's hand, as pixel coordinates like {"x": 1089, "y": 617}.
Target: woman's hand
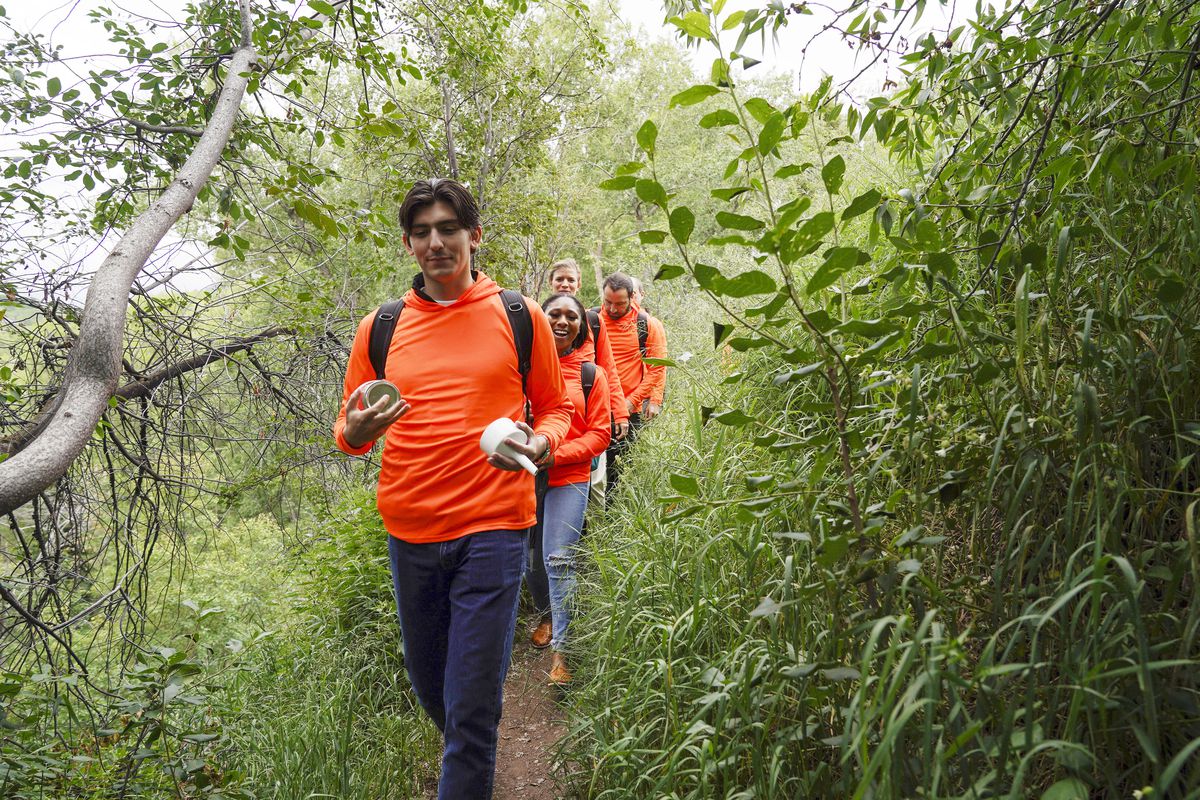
{"x": 368, "y": 424}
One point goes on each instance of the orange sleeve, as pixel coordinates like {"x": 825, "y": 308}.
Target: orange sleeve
{"x": 358, "y": 372}
{"x": 656, "y": 347}
{"x": 595, "y": 439}
{"x": 547, "y": 392}
{"x": 658, "y": 375}
{"x": 606, "y": 362}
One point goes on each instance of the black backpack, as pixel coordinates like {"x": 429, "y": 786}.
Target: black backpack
{"x": 643, "y": 327}
{"x": 587, "y": 378}
{"x": 384, "y": 325}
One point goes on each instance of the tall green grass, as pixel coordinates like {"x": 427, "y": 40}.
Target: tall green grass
{"x": 1016, "y": 621}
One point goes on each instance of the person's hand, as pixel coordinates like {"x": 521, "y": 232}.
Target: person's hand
{"x": 620, "y": 430}
{"x": 368, "y": 424}
{"x": 652, "y": 410}
{"x": 536, "y": 450}
{"x": 628, "y": 405}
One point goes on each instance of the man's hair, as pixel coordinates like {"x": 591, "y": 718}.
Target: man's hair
{"x": 583, "y": 320}
{"x": 618, "y": 281}
{"x": 425, "y": 193}
{"x": 566, "y": 263}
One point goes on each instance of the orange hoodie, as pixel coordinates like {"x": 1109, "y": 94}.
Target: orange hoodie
{"x": 637, "y": 379}
{"x": 590, "y": 429}
{"x": 457, "y": 365}
{"x": 658, "y": 375}
{"x": 600, "y": 353}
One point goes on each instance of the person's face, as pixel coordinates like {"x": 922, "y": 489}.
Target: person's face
{"x": 616, "y": 302}
{"x": 564, "y": 322}
{"x": 564, "y": 281}
{"x": 441, "y": 244}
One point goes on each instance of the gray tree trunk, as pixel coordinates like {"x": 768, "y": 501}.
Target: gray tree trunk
{"x": 94, "y": 365}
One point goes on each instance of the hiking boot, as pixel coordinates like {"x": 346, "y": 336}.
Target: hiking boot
{"x": 559, "y": 676}
{"x": 540, "y": 638}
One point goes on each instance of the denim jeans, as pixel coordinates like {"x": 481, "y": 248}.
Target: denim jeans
{"x": 561, "y": 528}
{"x": 457, "y": 603}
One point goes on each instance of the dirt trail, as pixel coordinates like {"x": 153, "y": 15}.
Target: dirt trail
{"x": 530, "y": 729}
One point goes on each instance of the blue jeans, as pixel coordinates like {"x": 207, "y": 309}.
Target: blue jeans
{"x": 457, "y": 603}
{"x": 561, "y": 524}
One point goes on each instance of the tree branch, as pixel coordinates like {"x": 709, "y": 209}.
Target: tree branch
{"x": 95, "y": 362}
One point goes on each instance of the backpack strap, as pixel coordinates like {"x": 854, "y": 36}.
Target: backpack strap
{"x": 382, "y": 328}
{"x": 587, "y": 377}
{"x": 643, "y": 330}
{"x": 593, "y": 316}
{"x": 520, "y": 320}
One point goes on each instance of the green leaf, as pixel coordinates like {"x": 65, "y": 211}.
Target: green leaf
{"x": 684, "y": 484}
{"x": 720, "y": 333}
{"x": 810, "y": 233}
{"x": 706, "y": 276}
{"x": 682, "y": 222}
{"x": 630, "y": 167}
{"x": 649, "y": 191}
{"x": 943, "y": 263}
{"x": 738, "y": 222}
{"x": 694, "y": 24}
{"x": 646, "y": 136}
{"x": 832, "y": 174}
{"x": 862, "y": 204}
{"x": 733, "y": 418}
{"x": 837, "y": 262}
{"x": 730, "y": 193}
{"x": 772, "y": 133}
{"x": 321, "y": 7}
{"x": 669, "y": 271}
{"x": 760, "y": 109}
{"x": 867, "y": 327}
{"x": 748, "y": 283}
{"x": 719, "y": 118}
{"x": 734, "y": 20}
{"x": 652, "y": 237}
{"x": 659, "y": 362}
{"x": 1067, "y": 789}
{"x": 619, "y": 183}
{"x": 696, "y": 94}
{"x": 791, "y": 170}
{"x": 53, "y": 87}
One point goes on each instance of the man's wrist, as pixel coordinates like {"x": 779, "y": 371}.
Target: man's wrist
{"x": 545, "y": 453}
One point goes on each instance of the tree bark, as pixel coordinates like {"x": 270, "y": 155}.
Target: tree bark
{"x": 94, "y": 365}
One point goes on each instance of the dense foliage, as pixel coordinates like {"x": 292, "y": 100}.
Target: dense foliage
{"x": 948, "y": 549}
{"x": 920, "y": 519}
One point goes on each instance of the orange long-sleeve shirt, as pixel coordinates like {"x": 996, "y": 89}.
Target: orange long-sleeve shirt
{"x": 598, "y": 350}
{"x": 590, "y": 429}
{"x": 658, "y": 374}
{"x": 457, "y": 365}
{"x": 637, "y": 379}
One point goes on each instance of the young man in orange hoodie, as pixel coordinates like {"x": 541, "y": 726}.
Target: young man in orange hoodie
{"x": 639, "y": 381}
{"x": 458, "y": 521}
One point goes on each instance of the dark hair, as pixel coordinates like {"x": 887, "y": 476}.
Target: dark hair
{"x": 618, "y": 281}
{"x": 434, "y": 190}
{"x": 580, "y": 337}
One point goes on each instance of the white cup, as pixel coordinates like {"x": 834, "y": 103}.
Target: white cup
{"x": 373, "y": 390}
{"x": 498, "y": 437}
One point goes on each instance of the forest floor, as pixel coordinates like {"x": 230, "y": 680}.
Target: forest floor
{"x": 531, "y": 727}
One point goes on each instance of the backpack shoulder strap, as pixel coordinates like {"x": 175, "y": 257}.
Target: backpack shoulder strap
{"x": 593, "y": 315}
{"x": 643, "y": 331}
{"x": 382, "y": 328}
{"x": 521, "y": 322}
{"x": 587, "y": 377}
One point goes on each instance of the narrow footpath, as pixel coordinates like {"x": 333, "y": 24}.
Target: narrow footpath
{"x": 530, "y": 729}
